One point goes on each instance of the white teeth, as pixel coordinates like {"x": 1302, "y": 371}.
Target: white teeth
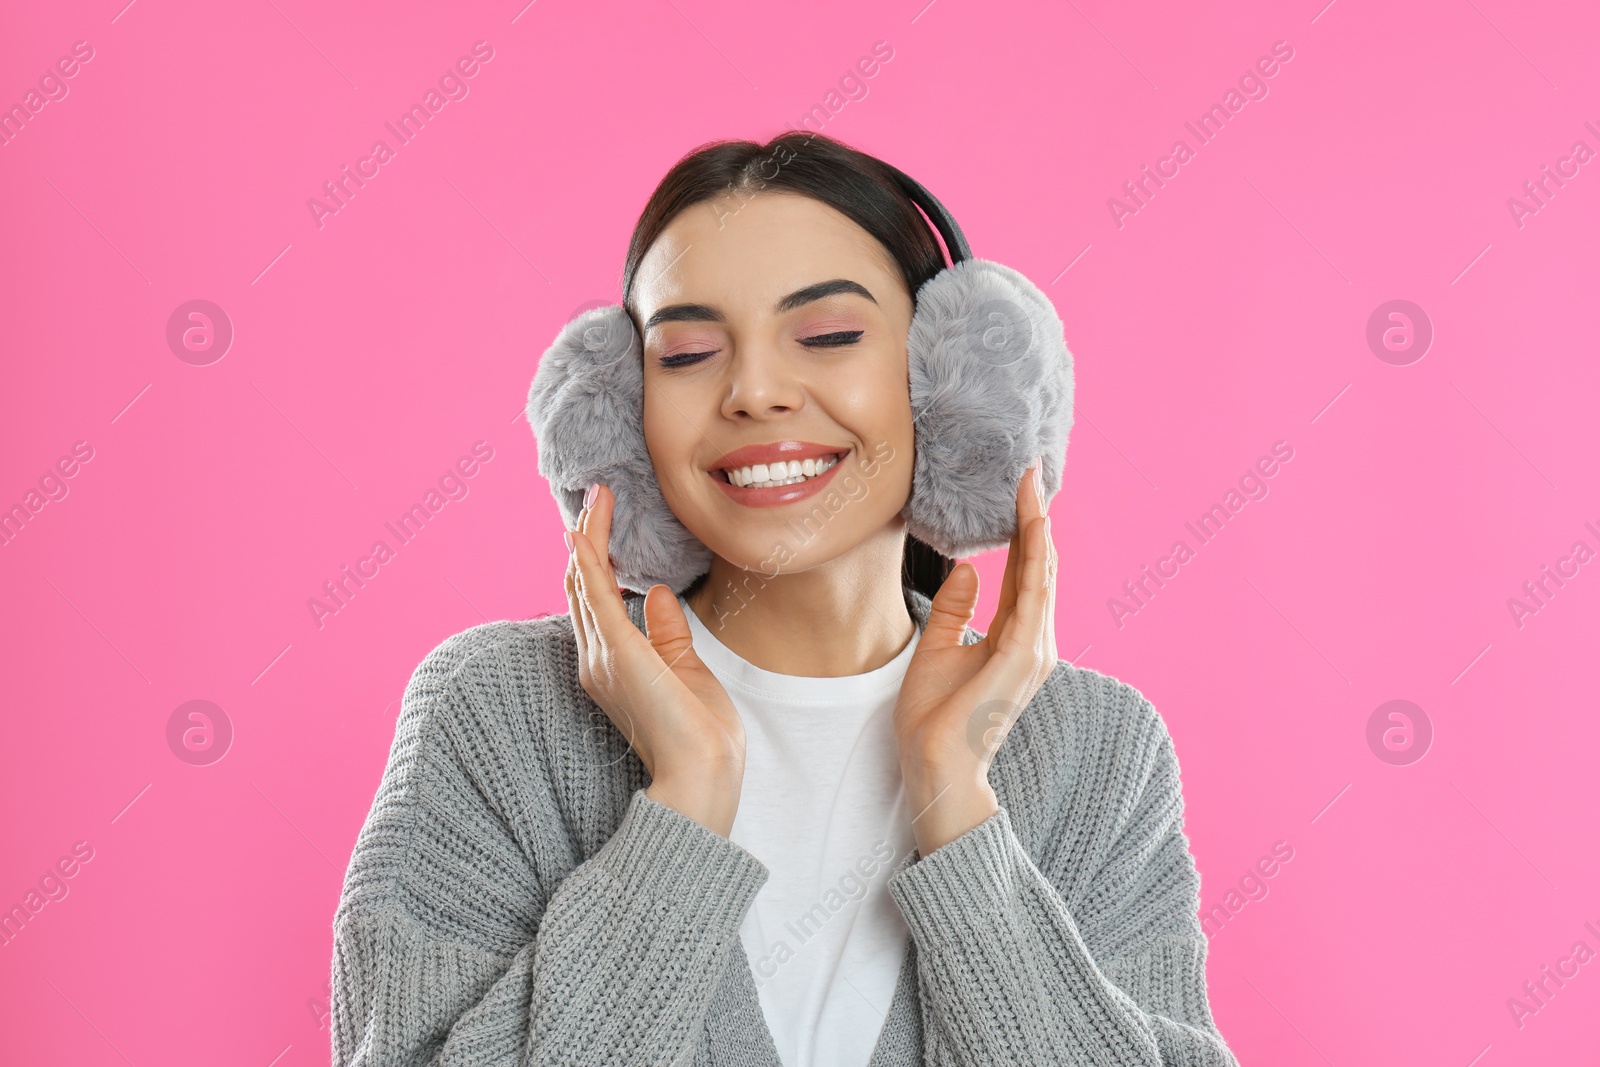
{"x": 769, "y": 475}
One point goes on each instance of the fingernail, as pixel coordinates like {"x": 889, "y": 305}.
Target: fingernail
{"x": 1038, "y": 481}
{"x": 566, "y": 535}
{"x": 590, "y": 493}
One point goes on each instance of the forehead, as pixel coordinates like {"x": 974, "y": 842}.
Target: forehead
{"x": 731, "y": 249}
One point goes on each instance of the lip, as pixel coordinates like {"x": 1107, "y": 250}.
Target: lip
{"x": 777, "y": 496}
{"x": 774, "y": 451}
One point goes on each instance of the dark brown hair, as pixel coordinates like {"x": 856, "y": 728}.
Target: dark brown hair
{"x": 853, "y": 183}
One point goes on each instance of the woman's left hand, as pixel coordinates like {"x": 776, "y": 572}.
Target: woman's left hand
{"x": 958, "y": 702}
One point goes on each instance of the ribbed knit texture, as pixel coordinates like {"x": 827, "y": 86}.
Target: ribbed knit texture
{"x": 515, "y": 898}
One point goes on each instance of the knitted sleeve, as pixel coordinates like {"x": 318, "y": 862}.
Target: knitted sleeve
{"x": 1006, "y": 971}
{"x": 451, "y": 948}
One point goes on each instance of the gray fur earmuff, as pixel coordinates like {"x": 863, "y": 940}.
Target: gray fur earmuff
{"x": 991, "y": 388}
{"x": 586, "y": 407}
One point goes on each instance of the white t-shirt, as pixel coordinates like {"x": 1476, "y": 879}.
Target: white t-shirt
{"x": 824, "y": 808}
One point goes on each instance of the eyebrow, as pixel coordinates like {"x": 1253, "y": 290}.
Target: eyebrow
{"x": 798, "y": 298}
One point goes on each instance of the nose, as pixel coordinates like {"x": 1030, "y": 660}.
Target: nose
{"x": 761, "y": 384}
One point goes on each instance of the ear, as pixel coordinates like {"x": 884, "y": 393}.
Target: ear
{"x": 991, "y": 388}
{"x": 586, "y": 407}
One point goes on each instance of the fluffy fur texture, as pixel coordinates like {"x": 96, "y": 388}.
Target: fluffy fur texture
{"x": 586, "y": 407}
{"x": 991, "y": 387}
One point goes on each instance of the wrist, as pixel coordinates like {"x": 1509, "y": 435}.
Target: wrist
{"x": 946, "y": 803}
{"x": 708, "y": 795}
{"x": 926, "y": 779}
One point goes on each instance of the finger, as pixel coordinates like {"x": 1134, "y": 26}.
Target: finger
{"x": 1008, "y": 585}
{"x": 592, "y": 584}
{"x": 583, "y": 623}
{"x": 1051, "y": 572}
{"x": 1039, "y": 595}
{"x": 608, "y": 615}
{"x": 951, "y": 608}
{"x": 569, "y": 582}
{"x": 1028, "y": 507}
{"x": 595, "y": 523}
{"x": 1033, "y": 595}
{"x": 667, "y": 627}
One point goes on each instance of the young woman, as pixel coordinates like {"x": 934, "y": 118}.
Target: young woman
{"x": 801, "y": 813}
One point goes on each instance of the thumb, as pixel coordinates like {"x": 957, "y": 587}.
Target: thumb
{"x": 666, "y": 625}
{"x": 952, "y": 608}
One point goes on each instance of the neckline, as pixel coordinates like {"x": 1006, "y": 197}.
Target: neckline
{"x": 734, "y": 670}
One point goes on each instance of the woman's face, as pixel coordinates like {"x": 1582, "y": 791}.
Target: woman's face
{"x": 775, "y": 330}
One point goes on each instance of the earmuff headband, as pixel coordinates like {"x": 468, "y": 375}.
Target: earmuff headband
{"x": 955, "y": 242}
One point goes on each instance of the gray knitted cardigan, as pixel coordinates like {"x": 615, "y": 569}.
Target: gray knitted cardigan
{"x": 514, "y": 897}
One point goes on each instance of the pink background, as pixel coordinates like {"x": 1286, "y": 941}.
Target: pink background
{"x": 1230, "y": 312}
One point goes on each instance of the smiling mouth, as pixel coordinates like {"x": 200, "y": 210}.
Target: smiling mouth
{"x": 774, "y": 475}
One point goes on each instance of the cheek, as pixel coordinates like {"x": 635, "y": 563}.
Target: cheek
{"x": 668, "y": 438}
{"x": 881, "y": 416}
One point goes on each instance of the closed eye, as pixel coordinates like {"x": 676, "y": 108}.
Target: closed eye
{"x": 683, "y": 359}
{"x": 829, "y": 340}
{"x": 821, "y": 340}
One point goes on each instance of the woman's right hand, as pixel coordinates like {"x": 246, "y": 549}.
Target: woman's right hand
{"x": 655, "y": 689}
